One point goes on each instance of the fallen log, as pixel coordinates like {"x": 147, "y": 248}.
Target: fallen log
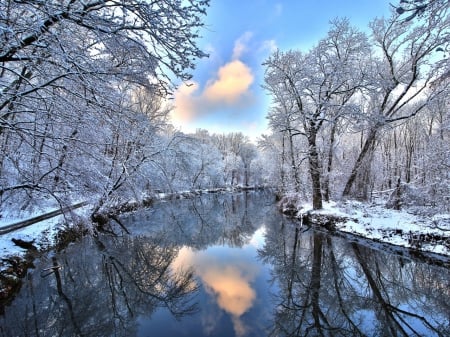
{"x": 31, "y": 221}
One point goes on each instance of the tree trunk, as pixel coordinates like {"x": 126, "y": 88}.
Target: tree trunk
{"x": 366, "y": 151}
{"x": 315, "y": 284}
{"x": 326, "y": 183}
{"x": 246, "y": 174}
{"x": 293, "y": 163}
{"x": 282, "y": 173}
{"x": 314, "y": 170}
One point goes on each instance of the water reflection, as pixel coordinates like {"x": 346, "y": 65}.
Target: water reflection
{"x": 90, "y": 292}
{"x": 227, "y": 277}
{"x": 330, "y": 287}
{"x": 227, "y": 266}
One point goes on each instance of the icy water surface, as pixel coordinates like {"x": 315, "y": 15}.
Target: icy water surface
{"x": 227, "y": 265}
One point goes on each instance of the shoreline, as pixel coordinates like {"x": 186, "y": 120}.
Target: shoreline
{"x": 375, "y": 223}
{"x": 360, "y": 226}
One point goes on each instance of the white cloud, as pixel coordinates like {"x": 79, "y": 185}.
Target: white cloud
{"x": 278, "y": 9}
{"x": 241, "y": 45}
{"x": 269, "y": 45}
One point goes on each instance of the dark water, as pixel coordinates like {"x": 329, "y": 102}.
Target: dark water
{"x": 227, "y": 265}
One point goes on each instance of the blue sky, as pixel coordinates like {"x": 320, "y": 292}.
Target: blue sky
{"x": 225, "y": 94}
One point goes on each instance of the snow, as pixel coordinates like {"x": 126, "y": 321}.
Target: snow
{"x": 394, "y": 227}
{"x": 43, "y": 233}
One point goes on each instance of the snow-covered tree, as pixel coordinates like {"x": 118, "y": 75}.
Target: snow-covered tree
{"x": 312, "y": 89}
{"x": 71, "y": 72}
{"x": 402, "y": 74}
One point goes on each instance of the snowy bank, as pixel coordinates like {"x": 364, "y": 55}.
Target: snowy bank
{"x": 375, "y": 222}
{"x": 44, "y": 235}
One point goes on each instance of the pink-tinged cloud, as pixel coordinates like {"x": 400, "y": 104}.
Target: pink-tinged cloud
{"x": 229, "y": 282}
{"x": 186, "y": 103}
{"x": 232, "y": 83}
{"x": 232, "y": 288}
{"x": 230, "y": 87}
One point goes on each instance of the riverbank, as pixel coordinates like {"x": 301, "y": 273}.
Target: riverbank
{"x": 377, "y": 223}
{"x": 25, "y": 238}
{"x": 42, "y": 229}
{"x": 367, "y": 221}
{"x": 372, "y": 225}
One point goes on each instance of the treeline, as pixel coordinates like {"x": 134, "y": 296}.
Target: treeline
{"x": 360, "y": 115}
{"x": 84, "y": 112}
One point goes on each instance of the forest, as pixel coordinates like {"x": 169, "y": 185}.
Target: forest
{"x": 85, "y": 91}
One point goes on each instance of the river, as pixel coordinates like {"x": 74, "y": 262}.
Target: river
{"x": 226, "y": 265}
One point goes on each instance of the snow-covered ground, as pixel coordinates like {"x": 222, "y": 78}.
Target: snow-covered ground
{"x": 42, "y": 234}
{"x": 399, "y": 228}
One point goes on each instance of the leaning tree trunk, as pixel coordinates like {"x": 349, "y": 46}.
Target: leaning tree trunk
{"x": 293, "y": 163}
{"x": 364, "y": 155}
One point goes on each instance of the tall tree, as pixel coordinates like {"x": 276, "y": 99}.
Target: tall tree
{"x": 402, "y": 74}
{"x": 318, "y": 83}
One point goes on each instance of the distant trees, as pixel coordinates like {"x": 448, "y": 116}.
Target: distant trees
{"x": 345, "y": 95}
{"x": 239, "y": 155}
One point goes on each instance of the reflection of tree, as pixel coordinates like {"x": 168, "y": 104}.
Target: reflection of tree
{"x": 87, "y": 292}
{"x": 100, "y": 286}
{"x": 144, "y": 266}
{"x": 229, "y": 219}
{"x": 395, "y": 321}
{"x": 327, "y": 289}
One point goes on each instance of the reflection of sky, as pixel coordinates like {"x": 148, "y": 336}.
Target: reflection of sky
{"x": 233, "y": 296}
{"x": 227, "y": 275}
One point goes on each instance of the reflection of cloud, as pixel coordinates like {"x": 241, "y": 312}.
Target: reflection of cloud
{"x": 231, "y": 285}
{"x": 229, "y": 281}
{"x": 238, "y": 325}
{"x": 258, "y": 238}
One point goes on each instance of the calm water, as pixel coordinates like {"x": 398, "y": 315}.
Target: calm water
{"x": 227, "y": 265}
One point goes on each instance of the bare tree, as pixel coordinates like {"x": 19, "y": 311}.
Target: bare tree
{"x": 316, "y": 86}
{"x": 66, "y": 69}
{"x": 401, "y": 87}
